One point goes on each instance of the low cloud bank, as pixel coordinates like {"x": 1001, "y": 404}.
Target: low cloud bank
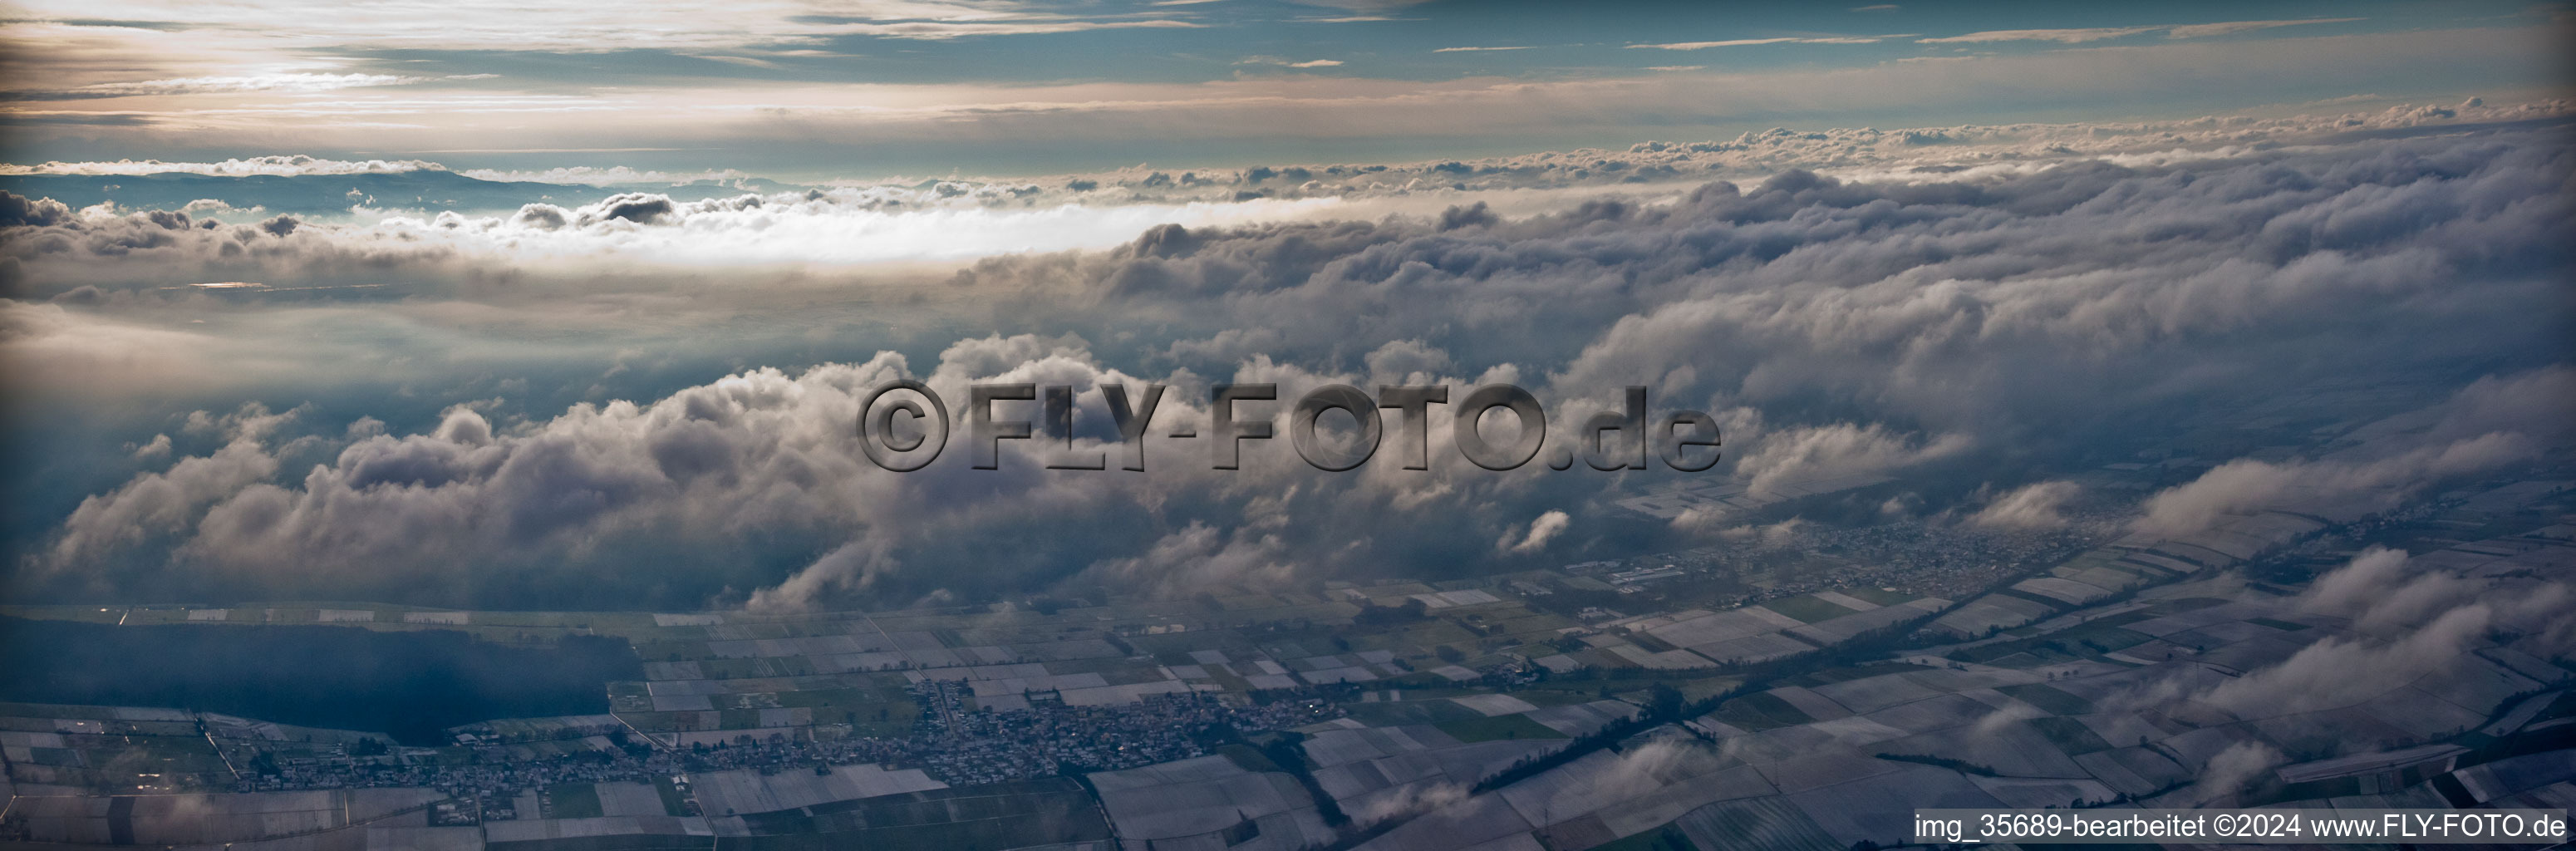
{"x": 2009, "y": 319}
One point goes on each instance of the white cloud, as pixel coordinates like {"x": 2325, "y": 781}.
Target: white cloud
{"x": 2062, "y": 36}
{"x": 2246, "y": 485}
{"x": 576, "y": 28}
{"x": 282, "y": 165}
{"x": 1900, "y": 327}
{"x": 2079, "y": 36}
{"x": 2036, "y": 506}
{"x": 602, "y": 176}
{"x": 1541, "y": 531}
{"x": 2230, "y": 770}
{"x": 260, "y": 83}
{"x": 2232, "y": 27}
{"x": 713, "y": 113}
{"x": 1745, "y": 42}
{"x": 1288, "y": 63}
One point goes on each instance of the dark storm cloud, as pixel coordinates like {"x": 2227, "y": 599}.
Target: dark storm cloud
{"x": 24, "y": 212}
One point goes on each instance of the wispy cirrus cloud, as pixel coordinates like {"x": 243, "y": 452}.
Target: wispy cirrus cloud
{"x": 2062, "y": 36}
{"x": 943, "y": 30}
{"x": 916, "y": 127}
{"x": 1748, "y": 42}
{"x": 488, "y": 25}
{"x": 2087, "y": 34}
{"x": 284, "y": 165}
{"x": 2228, "y": 27}
{"x": 291, "y": 83}
{"x": 1288, "y": 63}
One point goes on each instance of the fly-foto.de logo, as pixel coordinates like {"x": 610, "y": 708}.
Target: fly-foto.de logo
{"x": 900, "y": 434}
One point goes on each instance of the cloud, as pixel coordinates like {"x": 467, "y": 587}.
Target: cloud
{"x": 942, "y": 30}
{"x": 1406, "y": 800}
{"x": 292, "y": 83}
{"x": 1840, "y": 449}
{"x": 2009, "y": 309}
{"x": 1200, "y": 557}
{"x": 603, "y": 176}
{"x": 154, "y": 503}
{"x": 2335, "y": 673}
{"x": 2062, "y": 36}
{"x": 1541, "y": 531}
{"x": 575, "y": 29}
{"x": 2407, "y": 621}
{"x": 934, "y": 125}
{"x": 2079, "y": 36}
{"x": 2383, "y": 592}
{"x": 1288, "y": 63}
{"x": 2035, "y": 506}
{"x": 1744, "y": 42}
{"x": 848, "y": 568}
{"x": 1627, "y": 774}
{"x": 2496, "y": 422}
{"x": 2233, "y": 27}
{"x": 1894, "y": 154}
{"x": 1478, "y": 49}
{"x": 2382, "y": 596}
{"x": 2230, "y": 770}
{"x": 282, "y": 165}
{"x": 1364, "y": 5}
{"x": 632, "y": 501}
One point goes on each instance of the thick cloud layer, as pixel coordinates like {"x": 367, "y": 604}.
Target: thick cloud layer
{"x": 2494, "y": 423}
{"x": 2408, "y": 621}
{"x": 1975, "y": 335}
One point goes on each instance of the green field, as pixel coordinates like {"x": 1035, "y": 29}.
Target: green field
{"x": 1001, "y": 815}
{"x": 578, "y": 800}
{"x": 674, "y": 803}
{"x": 1247, "y": 757}
{"x": 1555, "y": 697}
{"x": 1807, "y": 609}
{"x": 2054, "y": 701}
{"x": 871, "y": 712}
{"x": 1389, "y": 714}
{"x": 1497, "y": 728}
{"x": 2069, "y": 735}
{"x": 2077, "y": 642}
{"x": 1759, "y": 711}
{"x": 1666, "y": 838}
{"x": 1813, "y": 679}
{"x": 1880, "y": 596}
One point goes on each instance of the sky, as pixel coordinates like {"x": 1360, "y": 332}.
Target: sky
{"x": 573, "y": 307}
{"x": 880, "y": 88}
